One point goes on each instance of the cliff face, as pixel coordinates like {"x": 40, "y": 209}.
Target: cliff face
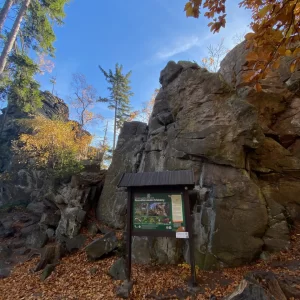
{"x": 244, "y": 149}
{"x": 35, "y": 208}
{"x": 127, "y": 157}
{"x": 53, "y": 107}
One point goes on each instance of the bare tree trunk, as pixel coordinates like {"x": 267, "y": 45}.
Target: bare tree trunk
{"x": 13, "y": 35}
{"x": 115, "y": 125}
{"x": 104, "y": 146}
{"x": 4, "y": 12}
{"x": 105, "y": 135}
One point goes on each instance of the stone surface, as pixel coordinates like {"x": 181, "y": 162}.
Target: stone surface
{"x": 249, "y": 291}
{"x": 243, "y": 148}
{"x": 47, "y": 271}
{"x": 118, "y": 269}
{"x": 277, "y": 237}
{"x": 71, "y": 221}
{"x": 75, "y": 243}
{"x": 230, "y": 219}
{"x": 4, "y": 273}
{"x": 50, "y": 255}
{"x": 74, "y": 199}
{"x": 266, "y": 286}
{"x": 123, "y": 291}
{"x": 111, "y": 208}
{"x": 50, "y": 220}
{"x": 102, "y": 246}
{"x": 93, "y": 228}
{"x": 37, "y": 239}
{"x": 36, "y": 208}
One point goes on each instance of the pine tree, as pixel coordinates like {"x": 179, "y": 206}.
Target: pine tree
{"x": 119, "y": 99}
{"x": 36, "y": 30}
{"x": 32, "y": 30}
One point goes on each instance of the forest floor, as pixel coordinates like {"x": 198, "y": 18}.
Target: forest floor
{"x": 77, "y": 278}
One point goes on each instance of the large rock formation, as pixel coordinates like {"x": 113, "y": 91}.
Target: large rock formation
{"x": 244, "y": 149}
{"x": 53, "y": 107}
{"x": 35, "y": 207}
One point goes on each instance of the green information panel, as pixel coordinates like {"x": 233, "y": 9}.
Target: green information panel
{"x": 158, "y": 211}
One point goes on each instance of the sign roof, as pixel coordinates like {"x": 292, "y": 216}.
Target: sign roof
{"x": 166, "y": 178}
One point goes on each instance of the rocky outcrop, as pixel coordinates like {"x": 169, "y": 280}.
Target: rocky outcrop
{"x": 75, "y": 199}
{"x": 53, "y": 107}
{"x": 112, "y": 205}
{"x": 102, "y": 246}
{"x": 243, "y": 147}
{"x": 36, "y": 208}
{"x": 266, "y": 286}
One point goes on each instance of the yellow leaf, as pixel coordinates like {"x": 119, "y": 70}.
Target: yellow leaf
{"x": 189, "y": 9}
{"x": 288, "y": 53}
{"x": 293, "y": 66}
{"x": 296, "y": 51}
{"x": 265, "y": 10}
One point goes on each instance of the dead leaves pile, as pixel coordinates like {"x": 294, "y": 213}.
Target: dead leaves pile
{"x": 77, "y": 278}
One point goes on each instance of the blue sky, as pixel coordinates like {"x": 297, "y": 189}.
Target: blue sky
{"x": 141, "y": 35}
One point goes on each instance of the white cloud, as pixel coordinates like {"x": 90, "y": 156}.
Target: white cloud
{"x": 237, "y": 23}
{"x": 181, "y": 45}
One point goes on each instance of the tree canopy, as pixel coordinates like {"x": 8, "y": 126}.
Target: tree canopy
{"x": 53, "y": 145}
{"x": 32, "y": 30}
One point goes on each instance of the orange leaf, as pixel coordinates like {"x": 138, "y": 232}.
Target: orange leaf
{"x": 293, "y": 66}
{"x": 276, "y": 64}
{"x": 258, "y": 87}
{"x": 252, "y": 56}
{"x": 248, "y": 76}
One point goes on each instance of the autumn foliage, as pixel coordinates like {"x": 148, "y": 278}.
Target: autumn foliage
{"x": 275, "y": 32}
{"x": 53, "y": 145}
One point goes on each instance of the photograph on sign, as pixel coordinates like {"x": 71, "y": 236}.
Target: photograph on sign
{"x": 158, "y": 211}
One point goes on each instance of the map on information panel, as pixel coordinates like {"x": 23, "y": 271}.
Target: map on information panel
{"x": 158, "y": 211}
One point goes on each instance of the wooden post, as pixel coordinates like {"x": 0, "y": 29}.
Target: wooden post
{"x": 189, "y": 228}
{"x": 129, "y": 233}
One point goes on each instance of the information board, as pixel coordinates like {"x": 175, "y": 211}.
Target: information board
{"x": 158, "y": 211}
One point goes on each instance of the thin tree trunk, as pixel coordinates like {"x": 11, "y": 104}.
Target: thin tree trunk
{"x": 115, "y": 125}
{"x": 105, "y": 135}
{"x": 3, "y": 122}
{"x": 13, "y": 35}
{"x": 103, "y": 145}
{"x": 4, "y": 12}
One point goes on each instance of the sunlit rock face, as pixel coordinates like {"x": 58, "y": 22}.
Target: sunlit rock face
{"x": 111, "y": 208}
{"x": 244, "y": 149}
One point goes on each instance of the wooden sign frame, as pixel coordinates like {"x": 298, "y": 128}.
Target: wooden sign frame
{"x": 158, "y": 233}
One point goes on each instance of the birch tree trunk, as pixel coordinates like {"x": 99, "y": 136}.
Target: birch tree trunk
{"x": 13, "y": 35}
{"x": 4, "y": 12}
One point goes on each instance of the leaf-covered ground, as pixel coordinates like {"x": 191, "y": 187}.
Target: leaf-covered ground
{"x": 77, "y": 278}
